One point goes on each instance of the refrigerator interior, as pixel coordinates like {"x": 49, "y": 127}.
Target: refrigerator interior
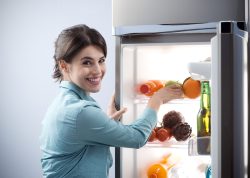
{"x": 163, "y": 61}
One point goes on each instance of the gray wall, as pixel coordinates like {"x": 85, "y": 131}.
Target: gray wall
{"x": 28, "y": 29}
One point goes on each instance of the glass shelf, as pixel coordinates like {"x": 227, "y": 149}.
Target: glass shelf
{"x": 199, "y": 146}
{"x": 172, "y": 143}
{"x": 141, "y": 99}
{"x": 195, "y": 146}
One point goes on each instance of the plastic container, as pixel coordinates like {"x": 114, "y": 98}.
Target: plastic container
{"x": 200, "y": 70}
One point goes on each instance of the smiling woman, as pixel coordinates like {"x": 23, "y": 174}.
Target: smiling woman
{"x": 86, "y": 69}
{"x": 72, "y": 40}
{"x": 76, "y": 133}
{"x": 80, "y": 57}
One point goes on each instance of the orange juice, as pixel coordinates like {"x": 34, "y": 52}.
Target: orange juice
{"x": 157, "y": 171}
{"x": 160, "y": 170}
{"x": 148, "y": 88}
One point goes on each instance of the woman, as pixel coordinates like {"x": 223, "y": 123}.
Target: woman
{"x": 76, "y": 133}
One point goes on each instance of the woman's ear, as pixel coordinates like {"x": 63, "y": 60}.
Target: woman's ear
{"x": 64, "y": 69}
{"x": 63, "y": 66}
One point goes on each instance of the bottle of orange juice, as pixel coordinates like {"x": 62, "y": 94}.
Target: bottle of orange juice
{"x": 157, "y": 170}
{"x": 148, "y": 88}
{"x": 160, "y": 170}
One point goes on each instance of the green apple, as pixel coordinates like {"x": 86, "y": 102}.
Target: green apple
{"x": 172, "y": 82}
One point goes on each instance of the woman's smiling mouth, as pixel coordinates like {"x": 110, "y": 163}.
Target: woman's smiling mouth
{"x": 94, "y": 80}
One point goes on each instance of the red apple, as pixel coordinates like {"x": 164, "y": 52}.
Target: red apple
{"x": 163, "y": 134}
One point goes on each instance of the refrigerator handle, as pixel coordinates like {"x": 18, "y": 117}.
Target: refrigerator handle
{"x": 117, "y": 73}
{"x": 229, "y": 101}
{"x": 247, "y": 18}
{"x": 117, "y": 99}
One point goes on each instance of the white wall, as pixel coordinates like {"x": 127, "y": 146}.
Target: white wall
{"x": 28, "y": 29}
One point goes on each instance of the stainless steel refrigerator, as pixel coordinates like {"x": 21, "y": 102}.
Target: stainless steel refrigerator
{"x": 164, "y": 52}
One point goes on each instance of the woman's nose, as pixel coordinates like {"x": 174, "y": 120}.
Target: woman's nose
{"x": 97, "y": 68}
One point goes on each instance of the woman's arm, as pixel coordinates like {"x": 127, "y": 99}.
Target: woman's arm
{"x": 96, "y": 127}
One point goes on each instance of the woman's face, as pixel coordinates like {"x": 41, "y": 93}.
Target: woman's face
{"x": 87, "y": 69}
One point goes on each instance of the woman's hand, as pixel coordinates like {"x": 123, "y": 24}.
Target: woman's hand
{"x": 112, "y": 112}
{"x": 173, "y": 92}
{"x": 164, "y": 95}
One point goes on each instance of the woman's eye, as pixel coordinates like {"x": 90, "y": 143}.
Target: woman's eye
{"x": 86, "y": 63}
{"x": 101, "y": 60}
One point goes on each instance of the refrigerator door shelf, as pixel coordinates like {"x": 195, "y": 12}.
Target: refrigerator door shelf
{"x": 200, "y": 70}
{"x": 199, "y": 146}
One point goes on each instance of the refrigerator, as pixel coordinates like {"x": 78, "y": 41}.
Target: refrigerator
{"x": 165, "y": 52}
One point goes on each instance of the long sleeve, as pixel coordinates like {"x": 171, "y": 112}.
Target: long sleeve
{"x": 95, "y": 127}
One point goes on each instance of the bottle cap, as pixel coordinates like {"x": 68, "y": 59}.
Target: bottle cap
{"x": 144, "y": 88}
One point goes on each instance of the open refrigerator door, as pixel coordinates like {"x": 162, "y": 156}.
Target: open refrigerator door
{"x": 165, "y": 53}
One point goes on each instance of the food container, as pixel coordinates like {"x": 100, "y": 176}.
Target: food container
{"x": 200, "y": 70}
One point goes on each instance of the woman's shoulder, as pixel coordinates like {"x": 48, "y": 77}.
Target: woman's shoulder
{"x": 70, "y": 99}
{"x": 69, "y": 105}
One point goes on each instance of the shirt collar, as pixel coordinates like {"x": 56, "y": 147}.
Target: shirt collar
{"x": 71, "y": 86}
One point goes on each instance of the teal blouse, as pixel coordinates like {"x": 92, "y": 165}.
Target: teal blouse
{"x": 77, "y": 134}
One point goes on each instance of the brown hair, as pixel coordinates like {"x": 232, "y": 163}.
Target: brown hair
{"x": 71, "y": 41}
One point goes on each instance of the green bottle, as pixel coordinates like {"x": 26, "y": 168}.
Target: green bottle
{"x": 204, "y": 120}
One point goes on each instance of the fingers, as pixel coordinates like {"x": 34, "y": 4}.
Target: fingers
{"x": 175, "y": 90}
{"x": 118, "y": 114}
{"x": 168, "y": 93}
{"x": 174, "y": 87}
{"x": 111, "y": 105}
{"x": 175, "y": 94}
